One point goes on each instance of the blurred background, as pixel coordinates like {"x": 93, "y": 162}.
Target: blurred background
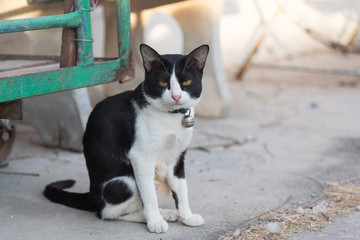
{"x": 239, "y": 31}
{"x": 242, "y": 34}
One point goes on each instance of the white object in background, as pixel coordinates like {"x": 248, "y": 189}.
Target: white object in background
{"x": 164, "y": 34}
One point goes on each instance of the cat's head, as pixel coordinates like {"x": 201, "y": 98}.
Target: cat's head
{"x": 173, "y": 81}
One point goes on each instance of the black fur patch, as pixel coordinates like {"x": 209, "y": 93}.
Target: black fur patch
{"x": 176, "y": 199}
{"x": 108, "y": 138}
{"x": 116, "y": 192}
{"x": 179, "y": 169}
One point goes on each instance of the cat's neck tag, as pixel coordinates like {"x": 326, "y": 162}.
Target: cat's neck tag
{"x": 188, "y": 120}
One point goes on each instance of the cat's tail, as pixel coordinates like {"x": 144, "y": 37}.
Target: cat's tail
{"x": 55, "y": 193}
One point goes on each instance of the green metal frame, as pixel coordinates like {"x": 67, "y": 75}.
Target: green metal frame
{"x": 87, "y": 72}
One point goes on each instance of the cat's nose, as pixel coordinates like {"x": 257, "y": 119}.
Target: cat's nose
{"x": 176, "y": 97}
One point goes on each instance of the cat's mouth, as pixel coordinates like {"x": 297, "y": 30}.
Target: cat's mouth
{"x": 173, "y": 107}
{"x": 177, "y": 105}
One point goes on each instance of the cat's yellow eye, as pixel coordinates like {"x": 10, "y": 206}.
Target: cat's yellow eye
{"x": 187, "y": 82}
{"x": 163, "y": 84}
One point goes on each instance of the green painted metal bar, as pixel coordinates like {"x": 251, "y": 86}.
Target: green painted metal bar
{"x": 87, "y": 73}
{"x": 83, "y": 33}
{"x": 17, "y": 87}
{"x": 56, "y": 21}
{"x": 123, "y": 29}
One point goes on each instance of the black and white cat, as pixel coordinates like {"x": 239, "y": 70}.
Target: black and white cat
{"x": 135, "y": 144}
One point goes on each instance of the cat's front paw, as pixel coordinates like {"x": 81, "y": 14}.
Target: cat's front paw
{"x": 193, "y": 221}
{"x": 159, "y": 226}
{"x": 169, "y": 215}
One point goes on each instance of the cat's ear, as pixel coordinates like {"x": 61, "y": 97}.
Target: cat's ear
{"x": 151, "y": 59}
{"x": 197, "y": 57}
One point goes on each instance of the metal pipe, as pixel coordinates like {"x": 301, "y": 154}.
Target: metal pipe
{"x": 83, "y": 33}
{"x": 123, "y": 29}
{"x": 56, "y": 21}
{"x": 39, "y": 83}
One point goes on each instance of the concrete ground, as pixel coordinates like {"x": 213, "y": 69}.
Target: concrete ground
{"x": 288, "y": 125}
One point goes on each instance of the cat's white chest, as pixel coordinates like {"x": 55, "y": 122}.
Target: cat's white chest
{"x": 159, "y": 141}
{"x": 160, "y": 135}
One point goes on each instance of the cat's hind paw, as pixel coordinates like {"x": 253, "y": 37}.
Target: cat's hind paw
{"x": 160, "y": 226}
{"x": 193, "y": 221}
{"x": 169, "y": 215}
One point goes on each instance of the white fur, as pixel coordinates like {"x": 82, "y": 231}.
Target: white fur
{"x": 160, "y": 139}
{"x": 175, "y": 89}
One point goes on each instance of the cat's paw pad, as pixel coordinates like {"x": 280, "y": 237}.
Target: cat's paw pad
{"x": 193, "y": 221}
{"x": 169, "y": 215}
{"x": 160, "y": 226}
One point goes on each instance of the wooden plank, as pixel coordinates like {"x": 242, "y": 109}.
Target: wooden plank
{"x": 68, "y": 55}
